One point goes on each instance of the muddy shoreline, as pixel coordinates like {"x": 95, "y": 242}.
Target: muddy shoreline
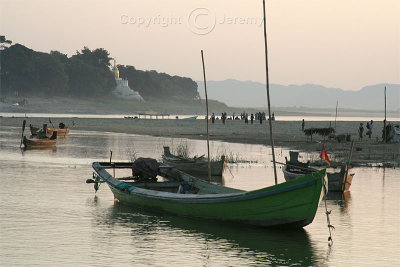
{"x": 288, "y": 134}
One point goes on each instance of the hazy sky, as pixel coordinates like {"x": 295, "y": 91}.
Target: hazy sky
{"x": 336, "y": 43}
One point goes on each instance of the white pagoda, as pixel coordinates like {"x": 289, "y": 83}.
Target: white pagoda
{"x": 122, "y": 90}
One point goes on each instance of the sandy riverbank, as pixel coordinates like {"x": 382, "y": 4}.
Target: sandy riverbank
{"x": 286, "y": 134}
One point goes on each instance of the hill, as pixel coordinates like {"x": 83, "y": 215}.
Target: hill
{"x": 253, "y": 94}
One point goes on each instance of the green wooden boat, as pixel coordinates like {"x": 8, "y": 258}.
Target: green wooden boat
{"x": 290, "y": 204}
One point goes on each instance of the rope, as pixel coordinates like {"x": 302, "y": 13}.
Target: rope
{"x": 229, "y": 170}
{"x": 330, "y": 226}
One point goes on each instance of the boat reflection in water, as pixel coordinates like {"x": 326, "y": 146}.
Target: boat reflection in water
{"x": 254, "y": 245}
{"x": 340, "y": 199}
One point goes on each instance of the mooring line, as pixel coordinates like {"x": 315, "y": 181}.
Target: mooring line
{"x": 330, "y": 226}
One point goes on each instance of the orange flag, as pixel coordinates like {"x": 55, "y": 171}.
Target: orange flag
{"x": 324, "y": 155}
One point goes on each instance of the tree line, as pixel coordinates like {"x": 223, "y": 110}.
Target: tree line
{"x": 87, "y": 73}
{"x": 152, "y": 84}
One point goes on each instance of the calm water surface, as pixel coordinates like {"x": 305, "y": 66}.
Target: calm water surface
{"x": 50, "y": 217}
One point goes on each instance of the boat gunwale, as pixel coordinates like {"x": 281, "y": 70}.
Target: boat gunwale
{"x": 205, "y": 198}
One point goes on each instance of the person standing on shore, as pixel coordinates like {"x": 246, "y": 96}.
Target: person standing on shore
{"x": 252, "y": 118}
{"x": 246, "y": 118}
{"x": 368, "y": 130}
{"x": 360, "y": 132}
{"x": 260, "y": 117}
{"x": 302, "y": 125}
{"x": 371, "y": 127}
{"x": 213, "y": 118}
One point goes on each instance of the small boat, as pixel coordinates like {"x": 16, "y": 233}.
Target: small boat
{"x": 166, "y": 189}
{"x": 337, "y": 182}
{"x": 195, "y": 165}
{"x": 190, "y": 118}
{"x": 37, "y": 143}
{"x": 62, "y": 131}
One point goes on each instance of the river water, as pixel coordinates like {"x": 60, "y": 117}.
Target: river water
{"x": 49, "y": 216}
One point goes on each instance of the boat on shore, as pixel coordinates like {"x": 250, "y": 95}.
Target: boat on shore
{"x": 194, "y": 166}
{"x": 290, "y": 204}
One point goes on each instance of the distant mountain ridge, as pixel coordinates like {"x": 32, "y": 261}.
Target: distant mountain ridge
{"x": 253, "y": 94}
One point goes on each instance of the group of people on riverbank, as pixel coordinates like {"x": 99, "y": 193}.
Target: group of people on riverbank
{"x": 258, "y": 116}
{"x": 369, "y": 127}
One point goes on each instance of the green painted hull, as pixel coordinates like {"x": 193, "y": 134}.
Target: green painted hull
{"x": 290, "y": 204}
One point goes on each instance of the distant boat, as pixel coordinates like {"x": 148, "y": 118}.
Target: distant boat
{"x": 291, "y": 204}
{"x": 190, "y": 118}
{"x": 194, "y": 166}
{"x": 38, "y": 143}
{"x": 62, "y": 131}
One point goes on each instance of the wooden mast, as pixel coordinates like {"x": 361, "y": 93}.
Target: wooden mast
{"x": 337, "y": 102}
{"x": 348, "y": 167}
{"x": 208, "y": 136}
{"x": 384, "y": 122}
{"x": 268, "y": 97}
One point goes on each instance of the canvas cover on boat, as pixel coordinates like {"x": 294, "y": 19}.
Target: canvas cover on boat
{"x": 145, "y": 167}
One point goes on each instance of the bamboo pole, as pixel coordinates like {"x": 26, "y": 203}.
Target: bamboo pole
{"x": 348, "y": 166}
{"x": 208, "y": 136}
{"x": 268, "y": 96}
{"x": 336, "y": 113}
{"x": 384, "y": 122}
{"x": 22, "y": 135}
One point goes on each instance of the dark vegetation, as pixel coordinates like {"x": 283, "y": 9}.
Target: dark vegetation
{"x": 151, "y": 84}
{"x": 26, "y": 72}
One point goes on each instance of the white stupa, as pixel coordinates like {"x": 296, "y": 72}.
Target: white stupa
{"x": 122, "y": 89}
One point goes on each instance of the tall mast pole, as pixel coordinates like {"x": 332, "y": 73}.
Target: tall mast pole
{"x": 337, "y": 102}
{"x": 208, "y": 136}
{"x": 384, "y": 122}
{"x": 268, "y": 97}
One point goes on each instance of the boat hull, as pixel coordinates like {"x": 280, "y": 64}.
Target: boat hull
{"x": 290, "y": 175}
{"x": 40, "y": 143}
{"x": 291, "y": 204}
{"x": 336, "y": 180}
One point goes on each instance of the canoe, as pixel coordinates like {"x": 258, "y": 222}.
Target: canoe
{"x": 336, "y": 179}
{"x": 40, "y": 143}
{"x": 195, "y": 166}
{"x": 290, "y": 204}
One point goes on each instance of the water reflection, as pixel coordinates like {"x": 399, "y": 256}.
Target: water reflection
{"x": 48, "y": 206}
{"x": 340, "y": 199}
{"x": 256, "y": 245}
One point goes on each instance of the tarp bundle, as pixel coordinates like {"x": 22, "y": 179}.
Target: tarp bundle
{"x": 145, "y": 168}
